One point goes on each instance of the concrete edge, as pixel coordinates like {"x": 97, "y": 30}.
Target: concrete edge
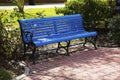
{"x": 34, "y": 6}
{"x": 26, "y": 72}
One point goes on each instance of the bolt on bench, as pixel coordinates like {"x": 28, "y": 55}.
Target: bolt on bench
{"x": 42, "y": 31}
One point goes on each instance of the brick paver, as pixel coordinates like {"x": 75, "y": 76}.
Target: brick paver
{"x": 88, "y": 64}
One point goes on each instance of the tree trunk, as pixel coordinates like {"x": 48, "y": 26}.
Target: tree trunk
{"x": 20, "y": 4}
{"x": 21, "y": 9}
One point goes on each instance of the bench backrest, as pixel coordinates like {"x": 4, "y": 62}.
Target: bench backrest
{"x": 52, "y": 26}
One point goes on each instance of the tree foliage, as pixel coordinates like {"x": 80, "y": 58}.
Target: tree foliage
{"x": 93, "y": 11}
{"x": 114, "y": 25}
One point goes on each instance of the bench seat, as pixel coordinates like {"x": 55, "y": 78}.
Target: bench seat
{"x": 60, "y": 38}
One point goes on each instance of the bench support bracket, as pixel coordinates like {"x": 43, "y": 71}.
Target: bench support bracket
{"x": 66, "y": 47}
{"x": 28, "y": 48}
{"x": 91, "y": 41}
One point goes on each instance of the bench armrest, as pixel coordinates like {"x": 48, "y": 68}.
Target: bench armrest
{"x": 27, "y": 36}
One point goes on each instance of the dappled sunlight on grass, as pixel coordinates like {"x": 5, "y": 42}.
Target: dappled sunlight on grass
{"x": 47, "y": 11}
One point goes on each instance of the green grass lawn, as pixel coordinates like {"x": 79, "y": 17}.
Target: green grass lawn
{"x": 47, "y": 11}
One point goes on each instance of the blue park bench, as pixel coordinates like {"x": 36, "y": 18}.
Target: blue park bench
{"x": 42, "y": 31}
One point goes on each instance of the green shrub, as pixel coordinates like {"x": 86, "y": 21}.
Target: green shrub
{"x": 10, "y": 34}
{"x": 71, "y": 7}
{"x": 5, "y": 75}
{"x": 114, "y": 25}
{"x": 3, "y": 40}
{"x": 94, "y": 12}
{"x": 10, "y": 39}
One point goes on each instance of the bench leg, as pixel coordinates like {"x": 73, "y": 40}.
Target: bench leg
{"x": 25, "y": 49}
{"x": 95, "y": 39}
{"x": 66, "y": 48}
{"x": 85, "y": 42}
{"x": 33, "y": 54}
{"x": 28, "y": 47}
{"x": 93, "y": 42}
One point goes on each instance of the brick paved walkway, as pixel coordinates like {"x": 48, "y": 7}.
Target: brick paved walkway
{"x": 89, "y": 64}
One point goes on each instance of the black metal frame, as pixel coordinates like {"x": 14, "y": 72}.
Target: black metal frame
{"x": 68, "y": 45}
{"x": 64, "y": 47}
{"x": 93, "y": 42}
{"x": 32, "y": 47}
